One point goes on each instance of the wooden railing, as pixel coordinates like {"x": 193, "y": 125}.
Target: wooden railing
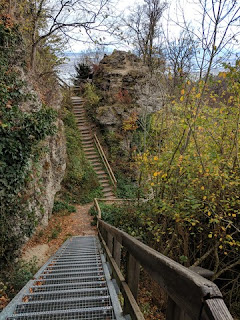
{"x": 105, "y": 161}
{"x": 190, "y": 296}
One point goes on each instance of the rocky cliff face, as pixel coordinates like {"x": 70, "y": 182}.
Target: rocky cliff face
{"x": 126, "y": 88}
{"x": 51, "y": 165}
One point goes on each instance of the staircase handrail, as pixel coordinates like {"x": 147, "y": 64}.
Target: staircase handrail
{"x": 105, "y": 161}
{"x": 190, "y": 296}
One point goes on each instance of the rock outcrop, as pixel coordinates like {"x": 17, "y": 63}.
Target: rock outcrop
{"x": 126, "y": 87}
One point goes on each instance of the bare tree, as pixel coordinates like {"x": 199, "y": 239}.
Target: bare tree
{"x": 216, "y": 34}
{"x": 179, "y": 55}
{"x": 144, "y": 24}
{"x": 63, "y": 17}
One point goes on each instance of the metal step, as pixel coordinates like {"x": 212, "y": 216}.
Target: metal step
{"x": 71, "y": 285}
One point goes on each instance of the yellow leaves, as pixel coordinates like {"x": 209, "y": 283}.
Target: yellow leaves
{"x": 177, "y": 217}
{"x": 155, "y": 158}
{"x": 155, "y": 174}
{"x": 182, "y": 92}
{"x": 198, "y": 95}
{"x": 210, "y": 235}
{"x": 152, "y": 184}
{"x": 222, "y": 75}
{"x": 182, "y": 98}
{"x": 209, "y": 213}
{"x": 180, "y": 158}
{"x": 220, "y": 247}
{"x": 234, "y": 215}
{"x": 202, "y": 188}
{"x": 204, "y": 198}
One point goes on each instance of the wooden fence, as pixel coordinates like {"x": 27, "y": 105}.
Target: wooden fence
{"x": 190, "y": 296}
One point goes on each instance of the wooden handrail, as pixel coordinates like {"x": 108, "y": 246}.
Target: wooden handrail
{"x": 190, "y": 295}
{"x": 105, "y": 161}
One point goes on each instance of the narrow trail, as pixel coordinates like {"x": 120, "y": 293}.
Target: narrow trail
{"x": 42, "y": 245}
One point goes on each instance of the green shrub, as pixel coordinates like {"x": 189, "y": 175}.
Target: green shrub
{"x": 92, "y": 100}
{"x": 126, "y": 188}
{"x": 16, "y": 275}
{"x": 65, "y": 207}
{"x": 55, "y": 232}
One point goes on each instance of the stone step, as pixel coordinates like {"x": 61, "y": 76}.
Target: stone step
{"x": 109, "y": 195}
{"x": 92, "y": 157}
{"x": 103, "y": 176}
{"x": 100, "y": 172}
{"x": 91, "y": 153}
{"x": 90, "y": 148}
{"x": 85, "y": 129}
{"x": 103, "y": 180}
{"x": 106, "y": 189}
{"x": 105, "y": 185}
{"x": 86, "y": 134}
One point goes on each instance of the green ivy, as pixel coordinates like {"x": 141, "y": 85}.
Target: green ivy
{"x": 20, "y": 135}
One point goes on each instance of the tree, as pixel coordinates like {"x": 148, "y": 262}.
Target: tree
{"x": 42, "y": 19}
{"x": 215, "y": 34}
{"x": 144, "y": 24}
{"x": 82, "y": 72}
{"x": 179, "y": 55}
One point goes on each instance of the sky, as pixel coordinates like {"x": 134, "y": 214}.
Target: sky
{"x": 122, "y": 6}
{"x": 171, "y": 21}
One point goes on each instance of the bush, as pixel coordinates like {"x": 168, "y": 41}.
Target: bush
{"x": 65, "y": 207}
{"x": 92, "y": 99}
{"x": 14, "y": 277}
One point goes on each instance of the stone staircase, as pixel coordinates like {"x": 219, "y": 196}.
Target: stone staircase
{"x": 89, "y": 147}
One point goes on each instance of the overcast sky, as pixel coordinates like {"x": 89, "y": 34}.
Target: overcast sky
{"x": 122, "y": 6}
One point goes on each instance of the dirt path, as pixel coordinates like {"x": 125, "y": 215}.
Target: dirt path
{"x": 47, "y": 240}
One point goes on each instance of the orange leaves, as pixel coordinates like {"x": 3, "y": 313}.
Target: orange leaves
{"x": 130, "y": 124}
{"x": 123, "y": 96}
{"x": 7, "y": 20}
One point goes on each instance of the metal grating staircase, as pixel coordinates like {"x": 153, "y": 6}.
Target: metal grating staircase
{"x": 74, "y": 284}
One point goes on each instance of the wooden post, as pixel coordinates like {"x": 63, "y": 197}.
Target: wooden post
{"x": 133, "y": 272}
{"x": 174, "y": 312}
{"x": 117, "y": 248}
{"x": 110, "y": 242}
